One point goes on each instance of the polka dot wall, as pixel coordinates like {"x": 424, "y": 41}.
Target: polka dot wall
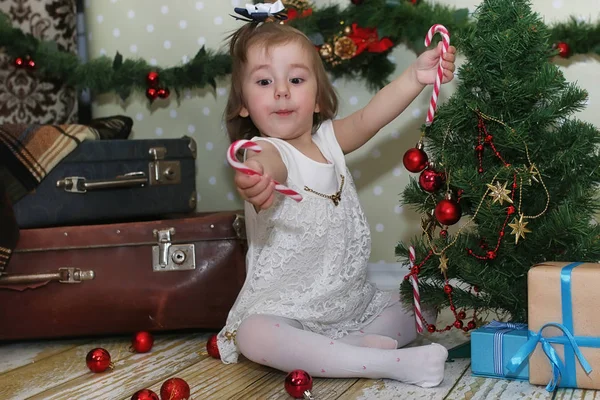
{"x": 170, "y": 32}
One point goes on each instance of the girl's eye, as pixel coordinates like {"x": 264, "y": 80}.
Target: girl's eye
{"x": 264, "y": 82}
{"x": 296, "y": 81}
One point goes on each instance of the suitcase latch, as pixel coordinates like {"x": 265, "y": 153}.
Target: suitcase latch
{"x": 163, "y": 172}
{"x": 171, "y": 257}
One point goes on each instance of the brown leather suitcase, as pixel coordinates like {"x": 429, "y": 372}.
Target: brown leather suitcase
{"x": 172, "y": 274}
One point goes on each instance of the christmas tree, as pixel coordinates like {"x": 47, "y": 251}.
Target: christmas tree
{"x": 508, "y": 165}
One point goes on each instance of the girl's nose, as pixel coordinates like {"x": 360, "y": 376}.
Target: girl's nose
{"x": 282, "y": 90}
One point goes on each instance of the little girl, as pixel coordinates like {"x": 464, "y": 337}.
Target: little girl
{"x": 306, "y": 303}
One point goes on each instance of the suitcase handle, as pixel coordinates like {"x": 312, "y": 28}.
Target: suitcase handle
{"x": 79, "y": 184}
{"x": 63, "y": 275}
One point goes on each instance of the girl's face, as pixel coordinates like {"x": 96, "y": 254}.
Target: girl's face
{"x": 280, "y": 90}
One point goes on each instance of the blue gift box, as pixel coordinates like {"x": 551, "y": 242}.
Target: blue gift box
{"x": 492, "y": 347}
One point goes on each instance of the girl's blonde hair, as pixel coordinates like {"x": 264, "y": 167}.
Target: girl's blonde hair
{"x": 267, "y": 35}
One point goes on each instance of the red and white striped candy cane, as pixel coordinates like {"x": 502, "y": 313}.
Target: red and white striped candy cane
{"x": 233, "y": 161}
{"x": 415, "y": 285}
{"x": 437, "y": 28}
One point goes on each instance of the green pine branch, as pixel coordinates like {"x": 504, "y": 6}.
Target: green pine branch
{"x": 400, "y": 20}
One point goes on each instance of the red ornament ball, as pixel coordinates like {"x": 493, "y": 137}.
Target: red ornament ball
{"x": 98, "y": 360}
{"x": 491, "y": 255}
{"x": 563, "y": 49}
{"x": 471, "y": 325}
{"x": 142, "y": 342}
{"x": 458, "y": 324}
{"x": 19, "y": 62}
{"x": 152, "y": 79}
{"x": 462, "y": 315}
{"x": 30, "y": 64}
{"x": 297, "y": 382}
{"x": 447, "y": 212}
{"x": 447, "y": 289}
{"x": 151, "y": 94}
{"x": 430, "y": 328}
{"x": 211, "y": 347}
{"x": 144, "y": 394}
{"x": 163, "y": 93}
{"x": 430, "y": 180}
{"x": 175, "y": 389}
{"x": 415, "y": 160}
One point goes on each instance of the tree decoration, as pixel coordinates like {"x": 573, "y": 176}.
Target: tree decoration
{"x": 499, "y": 193}
{"x": 447, "y": 211}
{"x": 415, "y": 159}
{"x": 297, "y": 9}
{"x": 430, "y": 180}
{"x": 563, "y": 49}
{"x": 351, "y": 42}
{"x": 24, "y": 62}
{"x": 519, "y": 228}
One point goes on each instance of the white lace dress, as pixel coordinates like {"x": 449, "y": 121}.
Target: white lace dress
{"x": 308, "y": 261}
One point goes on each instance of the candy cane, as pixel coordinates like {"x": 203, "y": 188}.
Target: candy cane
{"x": 233, "y": 161}
{"x": 437, "y": 28}
{"x": 415, "y": 285}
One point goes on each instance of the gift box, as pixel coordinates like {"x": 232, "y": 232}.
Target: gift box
{"x": 564, "y": 326}
{"x": 492, "y": 347}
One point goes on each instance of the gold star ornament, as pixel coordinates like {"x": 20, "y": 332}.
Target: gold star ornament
{"x": 499, "y": 193}
{"x": 443, "y": 263}
{"x": 519, "y": 228}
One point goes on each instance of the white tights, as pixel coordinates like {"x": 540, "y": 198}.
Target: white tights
{"x": 372, "y": 352}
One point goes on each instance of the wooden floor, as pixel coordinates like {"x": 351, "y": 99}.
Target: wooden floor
{"x": 57, "y": 370}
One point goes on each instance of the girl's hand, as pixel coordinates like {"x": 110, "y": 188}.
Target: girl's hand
{"x": 426, "y": 65}
{"x": 258, "y": 190}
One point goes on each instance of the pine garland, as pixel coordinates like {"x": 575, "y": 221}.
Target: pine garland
{"x": 400, "y": 20}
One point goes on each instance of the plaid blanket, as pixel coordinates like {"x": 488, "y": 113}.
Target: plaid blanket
{"x": 29, "y": 152}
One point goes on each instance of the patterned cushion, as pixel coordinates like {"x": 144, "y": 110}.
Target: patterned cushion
{"x": 24, "y": 99}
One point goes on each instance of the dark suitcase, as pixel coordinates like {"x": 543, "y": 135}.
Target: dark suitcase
{"x": 120, "y": 278}
{"x": 114, "y": 180}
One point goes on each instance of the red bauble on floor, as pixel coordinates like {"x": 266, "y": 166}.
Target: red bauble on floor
{"x": 175, "y": 389}
{"x": 297, "y": 383}
{"x": 144, "y": 394}
{"x": 142, "y": 342}
{"x": 211, "y": 347}
{"x": 98, "y": 360}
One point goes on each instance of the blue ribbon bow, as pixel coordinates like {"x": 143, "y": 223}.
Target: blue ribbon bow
{"x": 501, "y": 328}
{"x": 556, "y": 364}
{"x": 260, "y": 12}
{"x": 565, "y": 372}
